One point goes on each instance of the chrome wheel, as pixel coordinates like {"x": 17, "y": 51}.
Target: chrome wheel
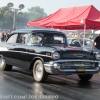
{"x": 2, "y": 64}
{"x": 39, "y": 71}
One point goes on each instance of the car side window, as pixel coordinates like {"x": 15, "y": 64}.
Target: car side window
{"x": 12, "y": 38}
{"x": 33, "y": 39}
{"x": 58, "y": 39}
{"x": 22, "y": 38}
{"x": 36, "y": 38}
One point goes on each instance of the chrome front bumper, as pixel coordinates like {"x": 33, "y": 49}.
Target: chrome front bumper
{"x": 54, "y": 67}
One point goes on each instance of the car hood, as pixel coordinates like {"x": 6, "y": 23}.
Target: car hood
{"x": 74, "y": 53}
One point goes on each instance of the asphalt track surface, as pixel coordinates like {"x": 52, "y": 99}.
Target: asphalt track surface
{"x": 19, "y": 84}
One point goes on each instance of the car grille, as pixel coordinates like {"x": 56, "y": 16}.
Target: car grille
{"x": 78, "y": 64}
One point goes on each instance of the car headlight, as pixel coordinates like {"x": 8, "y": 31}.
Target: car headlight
{"x": 55, "y": 55}
{"x": 97, "y": 56}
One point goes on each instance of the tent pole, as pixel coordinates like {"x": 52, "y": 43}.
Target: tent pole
{"x": 84, "y": 34}
{"x": 93, "y": 34}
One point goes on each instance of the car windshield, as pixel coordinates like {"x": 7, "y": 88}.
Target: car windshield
{"x": 47, "y": 38}
{"x": 53, "y": 39}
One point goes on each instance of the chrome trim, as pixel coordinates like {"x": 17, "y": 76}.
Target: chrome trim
{"x": 51, "y": 68}
{"x": 96, "y": 56}
{"x": 79, "y": 55}
{"x": 73, "y": 60}
{"x": 30, "y": 53}
{"x": 74, "y": 70}
{"x": 49, "y": 65}
{"x": 76, "y": 65}
{"x": 52, "y": 65}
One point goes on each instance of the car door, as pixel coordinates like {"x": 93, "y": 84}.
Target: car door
{"x": 34, "y": 47}
{"x": 6, "y": 48}
{"x": 19, "y": 50}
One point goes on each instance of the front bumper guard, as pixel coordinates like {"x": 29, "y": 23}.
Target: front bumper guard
{"x": 54, "y": 67}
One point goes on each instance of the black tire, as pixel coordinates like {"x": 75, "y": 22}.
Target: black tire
{"x": 85, "y": 77}
{"x": 4, "y": 66}
{"x": 8, "y": 67}
{"x": 43, "y": 76}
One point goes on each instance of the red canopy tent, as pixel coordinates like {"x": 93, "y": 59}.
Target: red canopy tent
{"x": 82, "y": 17}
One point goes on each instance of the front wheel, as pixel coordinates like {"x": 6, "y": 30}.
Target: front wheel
{"x": 85, "y": 77}
{"x": 39, "y": 72}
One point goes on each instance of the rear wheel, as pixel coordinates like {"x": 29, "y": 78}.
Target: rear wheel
{"x": 85, "y": 77}
{"x": 4, "y": 66}
{"x": 39, "y": 72}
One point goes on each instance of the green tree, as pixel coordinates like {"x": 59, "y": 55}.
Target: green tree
{"x": 22, "y": 19}
{"x": 6, "y": 17}
{"x": 36, "y": 13}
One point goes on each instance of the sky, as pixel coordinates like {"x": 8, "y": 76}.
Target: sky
{"x": 51, "y": 6}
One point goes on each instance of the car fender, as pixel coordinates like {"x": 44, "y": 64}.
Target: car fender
{"x": 33, "y": 61}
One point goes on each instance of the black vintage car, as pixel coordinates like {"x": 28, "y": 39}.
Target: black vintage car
{"x": 45, "y": 52}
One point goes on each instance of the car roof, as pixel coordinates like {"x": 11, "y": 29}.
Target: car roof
{"x": 36, "y": 30}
